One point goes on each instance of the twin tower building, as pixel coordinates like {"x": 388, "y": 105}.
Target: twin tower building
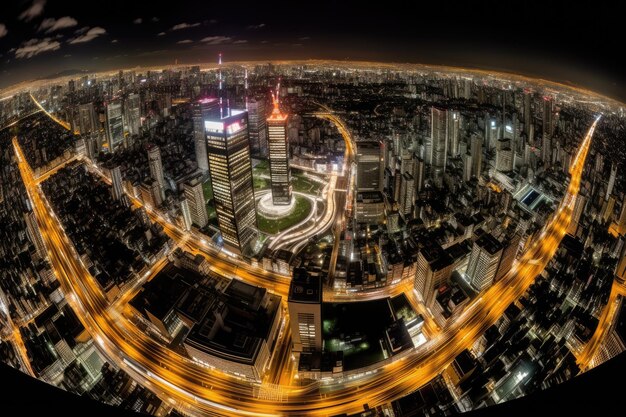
{"x": 222, "y": 145}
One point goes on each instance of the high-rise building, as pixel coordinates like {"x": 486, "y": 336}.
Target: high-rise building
{"x": 483, "y": 262}
{"x": 439, "y": 141}
{"x": 34, "y": 233}
{"x": 257, "y": 126}
{"x": 527, "y": 112}
{"x": 546, "y": 149}
{"x": 418, "y": 173}
{"x": 156, "y": 167}
{"x": 87, "y": 120}
{"x": 305, "y": 311}
{"x": 194, "y": 196}
{"x": 407, "y": 189}
{"x": 117, "y": 187}
{"x": 579, "y": 206}
{"x": 434, "y": 268}
{"x": 611, "y": 183}
{"x": 476, "y": 150}
{"x": 504, "y": 155}
{"x": 548, "y": 116}
{"x": 370, "y": 207}
{"x": 201, "y": 110}
{"x": 186, "y": 213}
{"x": 280, "y": 175}
{"x": 510, "y": 247}
{"x": 151, "y": 192}
{"x": 454, "y": 123}
{"x": 467, "y": 167}
{"x": 132, "y": 113}
{"x": 114, "y": 125}
{"x": 370, "y": 169}
{"x": 228, "y": 149}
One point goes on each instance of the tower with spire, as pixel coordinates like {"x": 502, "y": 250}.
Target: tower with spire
{"x": 278, "y": 144}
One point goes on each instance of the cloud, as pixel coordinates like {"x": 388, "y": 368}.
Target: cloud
{"x": 259, "y": 26}
{"x": 81, "y": 30}
{"x": 90, "y": 35}
{"x": 216, "y": 40}
{"x": 241, "y": 41}
{"x": 304, "y": 38}
{"x": 3, "y": 30}
{"x": 138, "y": 21}
{"x": 161, "y": 34}
{"x": 52, "y": 25}
{"x": 185, "y": 41}
{"x": 212, "y": 21}
{"x": 34, "y": 47}
{"x": 114, "y": 41}
{"x": 155, "y": 19}
{"x": 33, "y": 11}
{"x": 184, "y": 25}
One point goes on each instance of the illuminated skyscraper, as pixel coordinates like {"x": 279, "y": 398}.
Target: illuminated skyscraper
{"x": 476, "y": 150}
{"x": 454, "y": 123}
{"x": 370, "y": 166}
{"x": 504, "y": 155}
{"x": 132, "y": 113}
{"x": 194, "y": 197}
{"x": 257, "y": 127}
{"x": 156, "y": 167}
{"x": 186, "y": 213}
{"x": 280, "y": 175}
{"x": 117, "y": 189}
{"x": 483, "y": 262}
{"x": 434, "y": 267}
{"x": 228, "y": 149}
{"x": 34, "y": 234}
{"x": 439, "y": 141}
{"x": 202, "y": 109}
{"x": 114, "y": 125}
{"x": 88, "y": 122}
{"x": 407, "y": 189}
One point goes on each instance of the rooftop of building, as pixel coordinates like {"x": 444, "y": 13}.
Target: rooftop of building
{"x": 489, "y": 243}
{"x": 305, "y": 288}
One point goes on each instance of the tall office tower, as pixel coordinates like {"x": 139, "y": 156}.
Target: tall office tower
{"x": 418, "y": 173}
{"x": 202, "y": 110}
{"x": 257, "y": 126}
{"x": 132, "y": 113}
{"x": 185, "y": 212}
{"x": 87, "y": 120}
{"x": 454, "y": 124}
{"x": 476, "y": 150}
{"x": 509, "y": 253}
{"x": 611, "y": 183}
{"x": 117, "y": 188}
{"x": 370, "y": 169}
{"x": 527, "y": 112}
{"x": 467, "y": 167}
{"x": 546, "y": 149}
{"x": 434, "y": 268}
{"x": 115, "y": 125}
{"x": 548, "y": 117}
{"x": 439, "y": 141}
{"x": 305, "y": 311}
{"x": 407, "y": 189}
{"x": 34, "y": 234}
{"x": 504, "y": 155}
{"x": 483, "y": 262}
{"x": 491, "y": 132}
{"x": 194, "y": 195}
{"x": 228, "y": 149}
{"x": 397, "y": 185}
{"x": 151, "y": 192}
{"x": 280, "y": 175}
{"x": 579, "y": 206}
{"x": 156, "y": 167}
{"x": 406, "y": 161}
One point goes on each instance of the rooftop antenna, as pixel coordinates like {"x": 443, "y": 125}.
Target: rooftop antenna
{"x": 276, "y": 99}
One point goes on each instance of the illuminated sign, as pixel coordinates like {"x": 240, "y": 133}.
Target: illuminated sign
{"x": 211, "y": 126}
{"x": 234, "y": 127}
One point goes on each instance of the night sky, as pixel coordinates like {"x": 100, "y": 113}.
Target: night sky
{"x": 552, "y": 39}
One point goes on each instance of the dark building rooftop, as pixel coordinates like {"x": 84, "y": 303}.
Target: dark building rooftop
{"x": 305, "y": 288}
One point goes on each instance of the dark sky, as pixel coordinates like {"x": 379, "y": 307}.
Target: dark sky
{"x": 554, "y": 39}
